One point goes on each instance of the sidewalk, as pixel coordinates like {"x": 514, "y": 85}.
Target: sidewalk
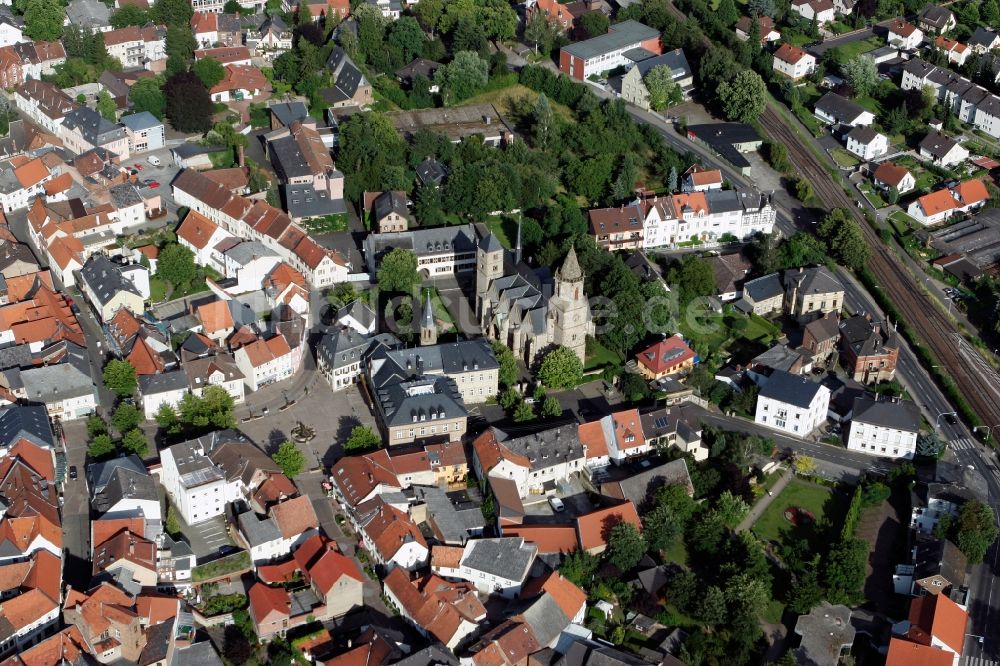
{"x": 761, "y": 506}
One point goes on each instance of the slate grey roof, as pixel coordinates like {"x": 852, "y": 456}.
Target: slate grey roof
{"x": 164, "y": 382}
{"x": 506, "y": 557}
{"x": 199, "y": 654}
{"x": 361, "y": 313}
{"x": 124, "y": 195}
{"x": 863, "y": 135}
{"x": 545, "y": 448}
{"x": 88, "y": 13}
{"x": 424, "y": 399}
{"x": 789, "y": 389}
{"x": 860, "y": 334}
{"x": 18, "y": 356}
{"x": 422, "y": 242}
{"x": 240, "y": 458}
{"x": 157, "y": 643}
{"x": 625, "y": 33}
{"x": 52, "y": 383}
{"x": 546, "y": 619}
{"x": 258, "y": 531}
{"x": 592, "y": 653}
{"x": 348, "y": 78}
{"x": 816, "y": 280}
{"x": 418, "y": 67}
{"x": 94, "y": 127}
{"x": 675, "y": 60}
{"x": 935, "y": 16}
{"x": 431, "y": 172}
{"x": 305, "y": 201}
{"x": 983, "y": 37}
{"x": 456, "y": 515}
{"x": 763, "y": 288}
{"x": 839, "y": 108}
{"x": 899, "y": 415}
{"x": 343, "y": 348}
{"x": 640, "y": 487}
{"x": 99, "y": 474}
{"x": 125, "y": 483}
{"x": 194, "y": 468}
{"x": 449, "y": 358}
{"x": 143, "y": 120}
{"x": 30, "y": 422}
{"x": 248, "y": 251}
{"x": 104, "y": 278}
{"x": 287, "y": 113}
{"x": 429, "y": 656}
{"x": 490, "y": 243}
{"x": 390, "y": 202}
{"x": 937, "y": 144}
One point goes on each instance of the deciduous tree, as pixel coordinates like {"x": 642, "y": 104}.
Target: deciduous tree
{"x": 290, "y": 459}
{"x": 463, "y": 77}
{"x": 119, "y": 377}
{"x": 146, "y": 95}
{"x": 106, "y": 106}
{"x": 125, "y": 417}
{"x": 101, "y": 447}
{"x": 551, "y": 407}
{"x": 362, "y": 440}
{"x": 975, "y": 530}
{"x": 540, "y": 32}
{"x": 663, "y": 92}
{"x": 743, "y": 98}
{"x": 209, "y": 70}
{"x": 595, "y": 24}
{"x": 129, "y": 15}
{"x": 134, "y": 441}
{"x": 43, "y": 20}
{"x": 626, "y": 546}
{"x": 176, "y": 265}
{"x": 509, "y": 372}
{"x": 861, "y": 74}
{"x": 560, "y": 368}
{"x": 397, "y": 272}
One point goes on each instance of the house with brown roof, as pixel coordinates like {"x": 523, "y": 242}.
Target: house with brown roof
{"x": 937, "y": 621}
{"x": 531, "y": 461}
{"x": 107, "y": 620}
{"x": 890, "y": 175}
{"x": 422, "y": 606}
{"x": 265, "y": 362}
{"x": 203, "y": 237}
{"x": 904, "y": 34}
{"x": 332, "y": 576}
{"x": 241, "y": 83}
{"x": 670, "y": 356}
{"x": 44, "y": 103}
{"x": 387, "y": 211}
{"x": 216, "y": 320}
{"x": 793, "y": 62}
{"x": 390, "y": 536}
{"x": 295, "y": 519}
{"x": 127, "y": 555}
{"x": 765, "y": 29}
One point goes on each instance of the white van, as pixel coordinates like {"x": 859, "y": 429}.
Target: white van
{"x": 154, "y": 160}
{"x": 557, "y": 504}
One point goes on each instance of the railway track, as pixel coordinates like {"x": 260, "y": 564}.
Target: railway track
{"x": 931, "y": 325}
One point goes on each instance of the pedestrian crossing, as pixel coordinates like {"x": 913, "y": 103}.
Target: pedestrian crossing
{"x": 978, "y": 661}
{"x": 963, "y": 444}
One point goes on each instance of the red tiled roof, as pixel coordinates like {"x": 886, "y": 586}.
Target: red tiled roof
{"x": 294, "y": 516}
{"x": 890, "y": 173}
{"x": 563, "y": 591}
{"x": 549, "y": 539}
{"x": 196, "y": 229}
{"x": 971, "y": 192}
{"x": 667, "y": 353}
{"x": 215, "y": 316}
{"x": 31, "y": 173}
{"x": 935, "y": 616}
{"x": 593, "y": 528}
{"x": 789, "y": 53}
{"x": 266, "y": 601}
{"x": 491, "y": 452}
{"x": 144, "y": 358}
{"x": 906, "y": 653}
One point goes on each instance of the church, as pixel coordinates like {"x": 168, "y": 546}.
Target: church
{"x": 527, "y": 309}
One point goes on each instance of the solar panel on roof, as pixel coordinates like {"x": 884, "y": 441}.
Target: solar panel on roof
{"x": 661, "y": 422}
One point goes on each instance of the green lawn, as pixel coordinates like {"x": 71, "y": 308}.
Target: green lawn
{"x": 677, "y": 552}
{"x": 873, "y": 195}
{"x": 759, "y": 329}
{"x": 843, "y": 158}
{"x": 851, "y": 50}
{"x": 440, "y": 311}
{"x": 811, "y": 497}
{"x": 599, "y": 356}
{"x": 505, "y": 229}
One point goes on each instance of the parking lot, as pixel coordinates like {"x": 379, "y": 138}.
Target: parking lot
{"x": 571, "y": 492}
{"x": 208, "y": 537}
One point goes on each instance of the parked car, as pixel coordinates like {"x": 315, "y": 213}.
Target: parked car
{"x": 154, "y": 160}
{"x": 73, "y": 474}
{"x": 557, "y": 504}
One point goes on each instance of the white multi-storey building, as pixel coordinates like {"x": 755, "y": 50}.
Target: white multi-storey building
{"x": 792, "y": 403}
{"x": 196, "y": 485}
{"x": 886, "y": 428}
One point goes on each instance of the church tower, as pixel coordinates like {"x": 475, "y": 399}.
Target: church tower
{"x": 572, "y": 320}
{"x": 489, "y": 267}
{"x": 428, "y": 329}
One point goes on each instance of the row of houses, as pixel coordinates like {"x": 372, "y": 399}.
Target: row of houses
{"x": 705, "y": 213}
